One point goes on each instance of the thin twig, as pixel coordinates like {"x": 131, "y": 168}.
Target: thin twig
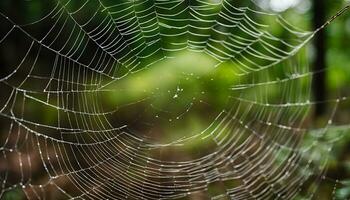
{"x": 339, "y": 13}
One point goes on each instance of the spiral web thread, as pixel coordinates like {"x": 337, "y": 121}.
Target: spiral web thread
{"x": 260, "y": 148}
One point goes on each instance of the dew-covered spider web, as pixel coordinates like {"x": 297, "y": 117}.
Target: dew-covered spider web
{"x": 160, "y": 99}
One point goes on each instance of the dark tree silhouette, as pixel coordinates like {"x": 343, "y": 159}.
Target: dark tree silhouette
{"x": 319, "y": 79}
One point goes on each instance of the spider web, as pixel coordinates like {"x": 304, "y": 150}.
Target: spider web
{"x": 99, "y": 90}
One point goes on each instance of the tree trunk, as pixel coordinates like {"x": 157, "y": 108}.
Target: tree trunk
{"x": 319, "y": 78}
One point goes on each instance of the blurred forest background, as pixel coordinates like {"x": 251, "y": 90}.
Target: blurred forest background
{"x": 330, "y": 49}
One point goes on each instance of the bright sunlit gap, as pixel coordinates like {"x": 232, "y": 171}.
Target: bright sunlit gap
{"x": 283, "y": 5}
